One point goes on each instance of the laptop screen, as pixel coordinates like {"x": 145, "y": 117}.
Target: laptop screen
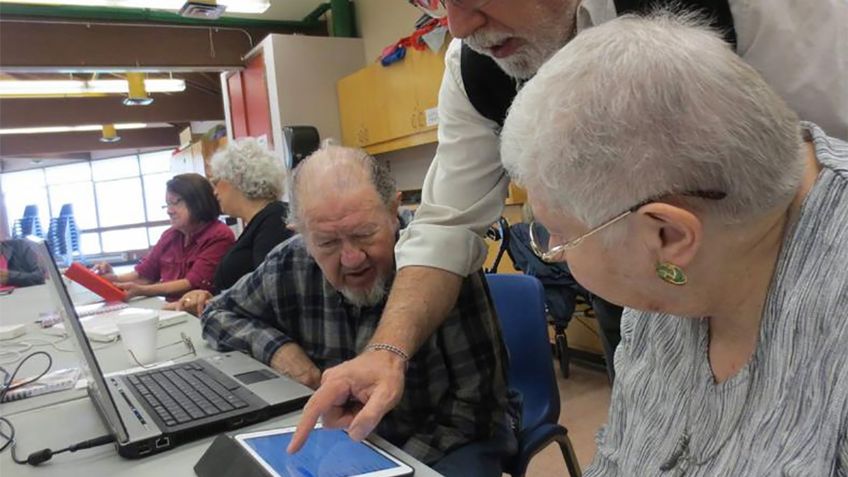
{"x": 97, "y": 388}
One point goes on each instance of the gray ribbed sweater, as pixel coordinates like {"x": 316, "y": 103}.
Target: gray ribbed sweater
{"x": 786, "y": 412}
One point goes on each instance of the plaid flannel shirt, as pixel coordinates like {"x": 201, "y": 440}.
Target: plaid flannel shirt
{"x": 456, "y": 384}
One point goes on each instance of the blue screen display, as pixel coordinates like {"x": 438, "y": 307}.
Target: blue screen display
{"x": 327, "y": 453}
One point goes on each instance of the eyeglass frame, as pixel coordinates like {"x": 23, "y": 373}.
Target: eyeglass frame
{"x": 172, "y": 204}
{"x": 457, "y": 3}
{"x": 553, "y": 255}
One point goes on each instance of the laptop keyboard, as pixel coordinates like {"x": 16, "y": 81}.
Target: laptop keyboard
{"x": 186, "y": 393}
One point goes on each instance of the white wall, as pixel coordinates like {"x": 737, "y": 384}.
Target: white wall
{"x": 302, "y": 76}
{"x": 383, "y": 22}
{"x": 409, "y": 166}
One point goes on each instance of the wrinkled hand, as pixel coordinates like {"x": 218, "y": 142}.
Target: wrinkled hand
{"x": 105, "y": 270}
{"x": 194, "y": 302}
{"x": 293, "y": 362}
{"x": 354, "y": 395}
{"x": 133, "y": 289}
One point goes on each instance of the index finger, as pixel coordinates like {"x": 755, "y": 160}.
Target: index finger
{"x": 327, "y": 396}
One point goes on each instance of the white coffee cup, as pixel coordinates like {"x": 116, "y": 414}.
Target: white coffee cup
{"x": 138, "y": 329}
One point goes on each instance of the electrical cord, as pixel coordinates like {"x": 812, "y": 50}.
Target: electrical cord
{"x": 39, "y": 457}
{"x": 7, "y": 386}
{"x": 43, "y": 455}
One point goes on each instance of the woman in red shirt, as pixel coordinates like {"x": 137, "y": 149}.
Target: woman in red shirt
{"x": 186, "y": 255}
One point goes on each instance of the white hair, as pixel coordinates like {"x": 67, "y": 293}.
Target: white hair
{"x": 642, "y": 107}
{"x": 251, "y": 168}
{"x": 347, "y": 167}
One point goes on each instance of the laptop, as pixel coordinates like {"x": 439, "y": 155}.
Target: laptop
{"x": 154, "y": 410}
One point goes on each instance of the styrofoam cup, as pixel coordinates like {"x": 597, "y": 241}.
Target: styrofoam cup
{"x": 138, "y": 333}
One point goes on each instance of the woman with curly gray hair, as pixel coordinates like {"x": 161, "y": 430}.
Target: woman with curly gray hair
{"x": 248, "y": 182}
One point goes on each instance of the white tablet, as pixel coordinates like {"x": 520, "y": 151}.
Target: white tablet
{"x": 327, "y": 453}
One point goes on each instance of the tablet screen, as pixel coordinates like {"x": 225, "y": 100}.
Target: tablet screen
{"x": 327, "y": 453}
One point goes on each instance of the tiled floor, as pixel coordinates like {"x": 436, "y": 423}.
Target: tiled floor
{"x": 585, "y": 397}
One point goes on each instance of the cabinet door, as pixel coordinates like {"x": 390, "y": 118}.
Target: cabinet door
{"x": 389, "y": 108}
{"x": 250, "y": 110}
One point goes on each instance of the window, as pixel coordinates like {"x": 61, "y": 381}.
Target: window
{"x": 116, "y": 168}
{"x": 154, "y": 195}
{"x": 120, "y": 202}
{"x": 24, "y": 188}
{"x": 117, "y": 203}
{"x": 124, "y": 239}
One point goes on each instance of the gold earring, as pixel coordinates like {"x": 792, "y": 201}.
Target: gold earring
{"x": 671, "y": 273}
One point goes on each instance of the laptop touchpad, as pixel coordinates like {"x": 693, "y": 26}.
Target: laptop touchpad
{"x": 252, "y": 377}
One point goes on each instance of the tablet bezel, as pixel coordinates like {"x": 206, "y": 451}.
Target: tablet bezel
{"x": 401, "y": 468}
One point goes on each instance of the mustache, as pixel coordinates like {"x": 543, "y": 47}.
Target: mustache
{"x": 484, "y": 39}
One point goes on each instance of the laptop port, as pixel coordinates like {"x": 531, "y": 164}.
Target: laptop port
{"x": 143, "y": 450}
{"x": 237, "y": 422}
{"x": 162, "y": 442}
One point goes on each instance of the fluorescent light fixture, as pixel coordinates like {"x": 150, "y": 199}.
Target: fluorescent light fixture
{"x": 61, "y": 129}
{"x": 233, "y": 6}
{"x": 71, "y": 87}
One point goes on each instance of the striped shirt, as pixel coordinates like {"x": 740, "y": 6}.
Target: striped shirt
{"x": 786, "y": 412}
{"x": 455, "y": 389}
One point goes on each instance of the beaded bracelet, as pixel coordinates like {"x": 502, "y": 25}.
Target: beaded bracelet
{"x": 390, "y": 348}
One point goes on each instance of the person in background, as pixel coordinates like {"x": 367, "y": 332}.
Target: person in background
{"x": 248, "y": 182}
{"x": 186, "y": 255}
{"x": 19, "y": 265}
{"x": 799, "y": 47}
{"x": 317, "y": 298}
{"x": 675, "y": 181}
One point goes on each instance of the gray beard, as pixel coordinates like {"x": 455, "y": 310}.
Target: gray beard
{"x": 373, "y": 296}
{"x": 527, "y": 60}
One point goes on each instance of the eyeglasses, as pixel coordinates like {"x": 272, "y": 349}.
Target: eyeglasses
{"x": 184, "y": 340}
{"x": 537, "y": 231}
{"x": 172, "y": 203}
{"x": 437, "y": 9}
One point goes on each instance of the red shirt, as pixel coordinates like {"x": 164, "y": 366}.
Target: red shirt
{"x": 171, "y": 260}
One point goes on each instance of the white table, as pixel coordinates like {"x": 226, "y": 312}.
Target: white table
{"x": 59, "y": 419}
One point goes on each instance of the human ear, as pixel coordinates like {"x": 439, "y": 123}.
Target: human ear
{"x": 671, "y": 233}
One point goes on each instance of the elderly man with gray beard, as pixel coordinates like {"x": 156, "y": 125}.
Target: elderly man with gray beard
{"x": 317, "y": 299}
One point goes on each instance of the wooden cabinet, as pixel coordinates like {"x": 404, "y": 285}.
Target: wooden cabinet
{"x": 389, "y": 108}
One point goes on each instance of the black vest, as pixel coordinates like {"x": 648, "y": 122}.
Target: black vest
{"x": 491, "y": 91}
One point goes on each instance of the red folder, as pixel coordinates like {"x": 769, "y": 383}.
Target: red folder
{"x": 94, "y": 282}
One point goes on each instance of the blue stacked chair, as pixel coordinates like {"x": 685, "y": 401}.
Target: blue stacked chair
{"x": 29, "y": 224}
{"x": 63, "y": 235}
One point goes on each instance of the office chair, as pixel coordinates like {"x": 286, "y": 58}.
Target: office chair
{"x": 301, "y": 142}
{"x": 519, "y": 301}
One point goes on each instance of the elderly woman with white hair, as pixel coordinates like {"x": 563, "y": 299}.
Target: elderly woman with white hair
{"x": 675, "y": 182}
{"x": 248, "y": 183}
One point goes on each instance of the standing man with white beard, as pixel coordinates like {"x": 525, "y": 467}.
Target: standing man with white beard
{"x": 317, "y": 298}
{"x": 801, "y": 49}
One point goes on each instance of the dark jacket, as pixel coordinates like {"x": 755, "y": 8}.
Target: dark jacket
{"x": 265, "y": 231}
{"x": 22, "y": 263}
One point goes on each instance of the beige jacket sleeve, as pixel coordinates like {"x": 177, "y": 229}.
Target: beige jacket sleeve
{"x": 465, "y": 187}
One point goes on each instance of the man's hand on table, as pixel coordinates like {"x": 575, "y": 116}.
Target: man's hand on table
{"x": 354, "y": 395}
{"x": 293, "y": 362}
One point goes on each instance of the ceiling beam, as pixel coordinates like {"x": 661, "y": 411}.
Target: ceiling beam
{"x": 60, "y": 143}
{"x": 190, "y": 105}
{"x": 64, "y": 46}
